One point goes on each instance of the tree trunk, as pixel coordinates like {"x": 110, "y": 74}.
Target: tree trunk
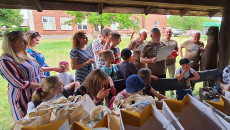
{"x": 224, "y": 39}
{"x": 102, "y": 27}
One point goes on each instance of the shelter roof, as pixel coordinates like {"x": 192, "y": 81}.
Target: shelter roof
{"x": 165, "y": 7}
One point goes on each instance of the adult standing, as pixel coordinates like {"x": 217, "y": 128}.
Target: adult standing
{"x": 81, "y": 56}
{"x": 170, "y": 63}
{"x": 99, "y": 45}
{"x": 193, "y": 49}
{"x": 149, "y": 53}
{"x": 33, "y": 40}
{"x": 136, "y": 46}
{"x": 22, "y": 72}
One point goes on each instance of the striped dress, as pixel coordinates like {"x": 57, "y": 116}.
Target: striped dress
{"x": 82, "y": 56}
{"x": 19, "y": 77}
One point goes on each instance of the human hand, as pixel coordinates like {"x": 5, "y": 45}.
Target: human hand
{"x": 187, "y": 69}
{"x": 154, "y": 77}
{"x": 154, "y": 60}
{"x": 170, "y": 57}
{"x": 113, "y": 91}
{"x": 108, "y": 41}
{"x": 59, "y": 69}
{"x": 201, "y": 49}
{"x": 90, "y": 60}
{"x": 103, "y": 93}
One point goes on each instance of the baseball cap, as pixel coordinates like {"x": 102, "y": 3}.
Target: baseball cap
{"x": 126, "y": 53}
{"x": 185, "y": 61}
{"x": 134, "y": 83}
{"x": 63, "y": 63}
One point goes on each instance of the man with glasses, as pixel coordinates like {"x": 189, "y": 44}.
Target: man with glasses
{"x": 170, "y": 63}
{"x": 99, "y": 45}
{"x": 149, "y": 53}
{"x": 193, "y": 49}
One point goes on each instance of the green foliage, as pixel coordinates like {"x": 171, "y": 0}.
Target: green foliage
{"x": 106, "y": 19}
{"x": 23, "y": 29}
{"x": 188, "y": 22}
{"x": 9, "y": 17}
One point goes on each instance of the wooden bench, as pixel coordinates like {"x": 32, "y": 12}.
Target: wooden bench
{"x": 164, "y": 84}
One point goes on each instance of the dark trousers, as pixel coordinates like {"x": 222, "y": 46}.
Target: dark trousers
{"x": 181, "y": 93}
{"x": 162, "y": 76}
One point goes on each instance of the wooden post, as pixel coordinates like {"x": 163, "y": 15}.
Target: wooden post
{"x": 224, "y": 39}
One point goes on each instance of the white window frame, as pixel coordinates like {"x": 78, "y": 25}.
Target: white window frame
{"x": 156, "y": 24}
{"x": 48, "y": 22}
{"x": 82, "y": 24}
{"x": 65, "y": 26}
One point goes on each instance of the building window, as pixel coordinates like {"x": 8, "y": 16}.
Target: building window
{"x": 66, "y": 23}
{"x": 114, "y": 26}
{"x": 48, "y": 23}
{"x": 82, "y": 25}
{"x": 156, "y": 24}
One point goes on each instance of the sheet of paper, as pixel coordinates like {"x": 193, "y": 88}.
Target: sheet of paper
{"x": 164, "y": 52}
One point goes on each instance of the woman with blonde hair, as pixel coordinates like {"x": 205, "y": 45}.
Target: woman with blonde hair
{"x": 33, "y": 40}
{"x": 51, "y": 88}
{"x": 21, "y": 71}
{"x": 98, "y": 85}
{"x": 81, "y": 56}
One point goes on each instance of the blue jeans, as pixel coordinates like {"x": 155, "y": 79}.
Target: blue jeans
{"x": 181, "y": 93}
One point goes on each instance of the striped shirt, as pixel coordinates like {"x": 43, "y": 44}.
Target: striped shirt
{"x": 82, "y": 56}
{"x": 19, "y": 77}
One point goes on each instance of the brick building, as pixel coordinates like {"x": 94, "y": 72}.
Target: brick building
{"x": 52, "y": 22}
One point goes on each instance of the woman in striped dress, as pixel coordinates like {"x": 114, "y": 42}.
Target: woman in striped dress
{"x": 22, "y": 72}
{"x": 81, "y": 56}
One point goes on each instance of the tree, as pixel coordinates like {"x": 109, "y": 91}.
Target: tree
{"x": 106, "y": 19}
{"x": 188, "y": 22}
{"x": 9, "y": 17}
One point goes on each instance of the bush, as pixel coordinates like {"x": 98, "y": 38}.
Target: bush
{"x": 23, "y": 29}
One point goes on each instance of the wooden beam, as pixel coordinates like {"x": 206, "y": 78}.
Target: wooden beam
{"x": 173, "y": 3}
{"x": 100, "y": 8}
{"x": 224, "y": 40}
{"x": 37, "y": 4}
{"x": 183, "y": 12}
{"x": 147, "y": 10}
{"x": 214, "y": 12}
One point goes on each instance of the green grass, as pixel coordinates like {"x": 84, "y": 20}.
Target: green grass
{"x": 54, "y": 51}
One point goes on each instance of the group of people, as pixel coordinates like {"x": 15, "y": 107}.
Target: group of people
{"x": 97, "y": 67}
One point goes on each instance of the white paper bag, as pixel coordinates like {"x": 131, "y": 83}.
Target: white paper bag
{"x": 170, "y": 116}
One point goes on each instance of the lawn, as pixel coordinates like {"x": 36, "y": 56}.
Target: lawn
{"x": 55, "y": 51}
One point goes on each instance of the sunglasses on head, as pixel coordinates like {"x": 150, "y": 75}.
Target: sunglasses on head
{"x": 14, "y": 33}
{"x": 35, "y": 34}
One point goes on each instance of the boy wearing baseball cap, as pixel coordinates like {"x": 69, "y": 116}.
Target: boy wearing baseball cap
{"x": 126, "y": 68}
{"x": 185, "y": 71}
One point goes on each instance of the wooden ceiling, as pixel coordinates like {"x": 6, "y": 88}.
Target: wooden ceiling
{"x": 166, "y": 7}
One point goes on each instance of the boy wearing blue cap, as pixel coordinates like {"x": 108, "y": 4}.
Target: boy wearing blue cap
{"x": 185, "y": 71}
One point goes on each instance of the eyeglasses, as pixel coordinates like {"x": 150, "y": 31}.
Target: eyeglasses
{"x": 13, "y": 34}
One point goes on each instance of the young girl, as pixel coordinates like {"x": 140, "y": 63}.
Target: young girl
{"x": 146, "y": 75}
{"x": 109, "y": 68}
{"x": 65, "y": 76}
{"x": 98, "y": 85}
{"x": 51, "y": 88}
